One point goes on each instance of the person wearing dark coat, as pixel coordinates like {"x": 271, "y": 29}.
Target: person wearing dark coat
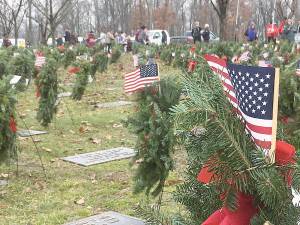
{"x": 196, "y": 32}
{"x": 206, "y": 33}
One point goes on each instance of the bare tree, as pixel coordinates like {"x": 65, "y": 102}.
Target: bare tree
{"x": 221, "y": 6}
{"x": 11, "y": 17}
{"x": 53, "y": 13}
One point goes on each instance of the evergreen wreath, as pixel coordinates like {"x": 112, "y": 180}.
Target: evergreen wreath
{"x": 116, "y": 54}
{"x": 8, "y": 148}
{"x": 69, "y": 57}
{"x": 22, "y": 65}
{"x": 100, "y": 61}
{"x": 47, "y": 85}
{"x": 82, "y": 77}
{"x": 4, "y": 61}
{"x": 213, "y": 136}
{"x": 154, "y": 128}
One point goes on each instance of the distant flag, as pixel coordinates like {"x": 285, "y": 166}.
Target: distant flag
{"x": 264, "y": 63}
{"x": 138, "y": 79}
{"x": 298, "y": 69}
{"x": 245, "y": 57}
{"x": 251, "y": 91}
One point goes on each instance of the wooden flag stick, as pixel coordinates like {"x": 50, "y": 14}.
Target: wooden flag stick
{"x": 275, "y": 115}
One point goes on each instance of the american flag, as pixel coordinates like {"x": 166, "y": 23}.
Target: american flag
{"x": 39, "y": 61}
{"x": 141, "y": 77}
{"x": 264, "y": 63}
{"x": 245, "y": 57}
{"x": 298, "y": 69}
{"x": 250, "y": 90}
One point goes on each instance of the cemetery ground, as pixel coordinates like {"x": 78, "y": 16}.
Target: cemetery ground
{"x": 71, "y": 191}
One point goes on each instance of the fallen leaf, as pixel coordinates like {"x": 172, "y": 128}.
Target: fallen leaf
{"x": 40, "y": 185}
{"x": 80, "y": 201}
{"x": 47, "y": 149}
{"x": 108, "y": 137}
{"x": 95, "y": 140}
{"x": 4, "y": 175}
{"x": 28, "y": 190}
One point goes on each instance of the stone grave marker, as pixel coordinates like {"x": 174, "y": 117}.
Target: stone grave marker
{"x": 28, "y": 133}
{"x": 3, "y": 182}
{"x": 99, "y": 157}
{"x": 64, "y": 94}
{"x": 108, "y": 218}
{"x": 113, "y": 104}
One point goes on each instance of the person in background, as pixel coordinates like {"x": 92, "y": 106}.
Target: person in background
{"x": 251, "y": 33}
{"x": 102, "y": 38}
{"x": 91, "y": 40}
{"x": 109, "y": 39}
{"x": 196, "y": 32}
{"x": 281, "y": 25}
{"x": 289, "y": 31}
{"x": 6, "y": 42}
{"x": 142, "y": 35}
{"x": 164, "y": 38}
{"x": 272, "y": 32}
{"x": 298, "y": 27}
{"x": 128, "y": 45}
{"x": 73, "y": 39}
{"x": 67, "y": 37}
{"x": 59, "y": 41}
{"x": 206, "y": 33}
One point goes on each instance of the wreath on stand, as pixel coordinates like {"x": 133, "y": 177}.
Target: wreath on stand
{"x": 8, "y": 128}
{"x": 82, "y": 70}
{"x": 47, "y": 85}
{"x": 22, "y": 65}
{"x": 153, "y": 126}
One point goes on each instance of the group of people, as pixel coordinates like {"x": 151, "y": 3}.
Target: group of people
{"x": 200, "y": 34}
{"x": 286, "y": 30}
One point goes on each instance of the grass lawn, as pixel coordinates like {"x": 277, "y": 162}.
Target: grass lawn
{"x": 70, "y": 191}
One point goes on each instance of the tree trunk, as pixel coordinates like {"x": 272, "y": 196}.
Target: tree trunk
{"x": 29, "y": 30}
{"x": 16, "y": 32}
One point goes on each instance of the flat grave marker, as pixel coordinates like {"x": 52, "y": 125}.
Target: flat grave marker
{"x": 3, "y": 182}
{"x": 112, "y": 104}
{"x": 108, "y": 218}
{"x": 28, "y": 133}
{"x": 99, "y": 157}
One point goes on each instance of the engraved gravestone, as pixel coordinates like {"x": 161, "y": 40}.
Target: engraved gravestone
{"x": 108, "y": 218}
{"x": 28, "y": 133}
{"x": 113, "y": 104}
{"x": 98, "y": 157}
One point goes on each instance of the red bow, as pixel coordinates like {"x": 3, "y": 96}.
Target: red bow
{"x": 285, "y": 154}
{"x": 74, "y": 69}
{"x": 192, "y": 66}
{"x": 12, "y": 124}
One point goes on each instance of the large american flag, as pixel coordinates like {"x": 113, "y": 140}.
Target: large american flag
{"x": 250, "y": 90}
{"x": 141, "y": 77}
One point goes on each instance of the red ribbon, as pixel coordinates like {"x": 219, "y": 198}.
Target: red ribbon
{"x": 74, "y": 69}
{"x": 12, "y": 124}
{"x": 285, "y": 155}
{"x": 192, "y": 66}
{"x": 38, "y": 91}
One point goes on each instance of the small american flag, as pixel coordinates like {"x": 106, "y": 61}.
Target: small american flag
{"x": 250, "y": 90}
{"x": 141, "y": 77}
{"x": 298, "y": 69}
{"x": 264, "y": 63}
{"x": 245, "y": 57}
{"x": 39, "y": 61}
